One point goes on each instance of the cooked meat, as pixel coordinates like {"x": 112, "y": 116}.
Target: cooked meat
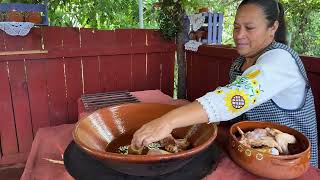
{"x": 268, "y": 137}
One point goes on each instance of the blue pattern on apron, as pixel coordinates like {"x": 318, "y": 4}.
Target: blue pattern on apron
{"x": 302, "y": 119}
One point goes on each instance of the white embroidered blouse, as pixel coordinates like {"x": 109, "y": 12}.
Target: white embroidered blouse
{"x": 275, "y": 76}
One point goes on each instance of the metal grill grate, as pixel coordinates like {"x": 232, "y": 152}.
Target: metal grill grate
{"x": 99, "y": 100}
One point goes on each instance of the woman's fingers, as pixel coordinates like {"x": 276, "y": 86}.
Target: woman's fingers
{"x": 151, "y": 132}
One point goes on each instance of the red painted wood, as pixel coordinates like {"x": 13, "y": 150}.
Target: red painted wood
{"x": 97, "y": 38}
{"x": 153, "y": 71}
{"x": 2, "y": 42}
{"x": 20, "y": 101}
{"x": 189, "y": 75}
{"x": 91, "y": 75}
{"x": 314, "y": 79}
{"x": 74, "y": 87}
{"x": 57, "y": 92}
{"x": 7, "y": 126}
{"x": 123, "y": 38}
{"x": 32, "y": 41}
{"x": 115, "y": 73}
{"x": 154, "y": 38}
{"x": 224, "y": 68}
{"x": 139, "y": 74}
{"x": 85, "y": 52}
{"x": 167, "y": 73}
{"x": 213, "y": 74}
{"x": 38, "y": 94}
{"x": 52, "y": 37}
{"x": 139, "y": 37}
{"x": 70, "y": 37}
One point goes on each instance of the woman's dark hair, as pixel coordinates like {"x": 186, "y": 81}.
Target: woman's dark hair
{"x": 274, "y": 12}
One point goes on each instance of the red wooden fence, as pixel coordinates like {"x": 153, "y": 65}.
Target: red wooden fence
{"x": 39, "y": 90}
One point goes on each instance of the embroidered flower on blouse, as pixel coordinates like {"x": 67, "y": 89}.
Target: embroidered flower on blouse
{"x": 257, "y": 91}
{"x": 236, "y": 100}
{"x": 254, "y": 100}
{"x": 255, "y": 82}
{"x": 253, "y": 74}
{"x": 218, "y": 90}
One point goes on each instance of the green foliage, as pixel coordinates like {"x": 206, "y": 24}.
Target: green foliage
{"x": 170, "y": 18}
{"x": 302, "y": 17}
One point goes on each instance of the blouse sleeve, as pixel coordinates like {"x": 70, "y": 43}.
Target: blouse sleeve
{"x": 274, "y": 72}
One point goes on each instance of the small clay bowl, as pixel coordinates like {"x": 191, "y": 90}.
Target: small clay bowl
{"x": 96, "y": 131}
{"x": 266, "y": 165}
{"x": 34, "y": 17}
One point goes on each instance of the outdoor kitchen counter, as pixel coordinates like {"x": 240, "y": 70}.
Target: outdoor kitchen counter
{"x": 50, "y": 143}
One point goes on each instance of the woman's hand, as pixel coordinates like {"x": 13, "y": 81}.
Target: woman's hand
{"x": 161, "y": 128}
{"x": 151, "y": 132}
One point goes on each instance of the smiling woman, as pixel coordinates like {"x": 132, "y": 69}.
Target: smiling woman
{"x": 259, "y": 89}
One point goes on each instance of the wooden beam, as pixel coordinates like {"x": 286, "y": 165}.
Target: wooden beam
{"x": 8, "y": 53}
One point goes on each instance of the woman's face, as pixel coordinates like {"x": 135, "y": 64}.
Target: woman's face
{"x": 251, "y": 32}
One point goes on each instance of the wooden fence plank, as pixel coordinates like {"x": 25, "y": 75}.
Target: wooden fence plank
{"x": 167, "y": 74}
{"x": 139, "y": 74}
{"x": 116, "y": 73}
{"x": 31, "y": 41}
{"x": 139, "y": 37}
{"x": 198, "y": 67}
{"x": 70, "y": 37}
{"x": 153, "y": 71}
{"x": 2, "y": 42}
{"x": 97, "y": 38}
{"x": 74, "y": 87}
{"x": 224, "y": 68}
{"x": 91, "y": 75}
{"x": 20, "y": 101}
{"x": 52, "y": 37}
{"x": 189, "y": 75}
{"x": 57, "y": 92}
{"x": 123, "y": 38}
{"x": 7, "y": 125}
{"x": 210, "y": 75}
{"x": 38, "y": 94}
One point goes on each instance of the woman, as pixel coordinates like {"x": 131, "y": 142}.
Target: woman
{"x": 268, "y": 82}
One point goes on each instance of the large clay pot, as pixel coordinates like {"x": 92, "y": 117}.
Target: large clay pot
{"x": 266, "y": 165}
{"x": 34, "y": 17}
{"x": 94, "y": 132}
{"x": 14, "y": 16}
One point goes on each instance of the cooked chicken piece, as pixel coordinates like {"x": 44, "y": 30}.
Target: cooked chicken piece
{"x": 258, "y": 138}
{"x": 174, "y": 145}
{"x": 135, "y": 150}
{"x": 265, "y": 141}
{"x": 157, "y": 152}
{"x": 256, "y": 134}
{"x": 166, "y": 141}
{"x": 283, "y": 139}
{"x": 182, "y": 144}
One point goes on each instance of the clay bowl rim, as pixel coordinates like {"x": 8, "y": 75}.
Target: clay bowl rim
{"x": 284, "y": 157}
{"x": 104, "y": 155}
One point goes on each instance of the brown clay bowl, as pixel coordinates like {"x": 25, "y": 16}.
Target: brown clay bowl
{"x": 266, "y": 165}
{"x": 96, "y": 131}
{"x": 34, "y": 17}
